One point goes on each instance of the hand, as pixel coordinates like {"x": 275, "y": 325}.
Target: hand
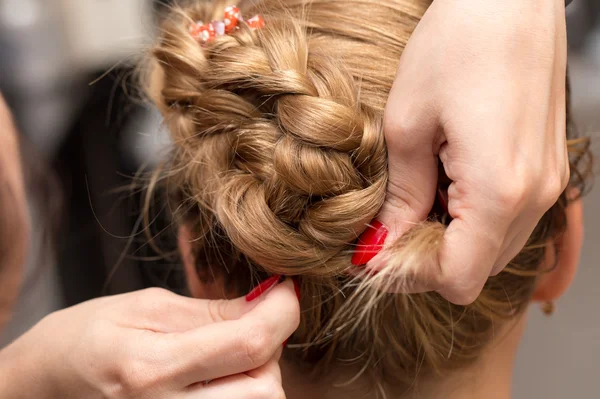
{"x": 481, "y": 84}
{"x": 155, "y": 344}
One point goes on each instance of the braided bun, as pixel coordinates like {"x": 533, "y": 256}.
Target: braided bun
{"x": 285, "y": 153}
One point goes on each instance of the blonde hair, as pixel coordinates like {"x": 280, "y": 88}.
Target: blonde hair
{"x": 279, "y": 163}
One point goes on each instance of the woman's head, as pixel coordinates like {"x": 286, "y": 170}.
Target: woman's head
{"x": 279, "y": 164}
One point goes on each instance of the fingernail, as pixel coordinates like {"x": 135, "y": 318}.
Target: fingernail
{"x": 262, "y": 288}
{"x": 285, "y": 342}
{"x": 369, "y": 243}
{"x": 297, "y": 288}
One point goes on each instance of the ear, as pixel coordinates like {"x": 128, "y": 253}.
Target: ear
{"x": 198, "y": 288}
{"x": 554, "y": 284}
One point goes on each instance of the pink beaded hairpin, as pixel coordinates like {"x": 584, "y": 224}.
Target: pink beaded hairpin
{"x": 204, "y": 33}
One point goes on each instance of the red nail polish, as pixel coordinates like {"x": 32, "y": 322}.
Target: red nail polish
{"x": 297, "y": 287}
{"x": 262, "y": 287}
{"x": 286, "y": 342}
{"x": 369, "y": 243}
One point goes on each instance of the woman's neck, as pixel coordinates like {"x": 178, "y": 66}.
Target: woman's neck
{"x": 489, "y": 378}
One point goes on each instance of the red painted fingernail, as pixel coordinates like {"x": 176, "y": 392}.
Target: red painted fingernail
{"x": 297, "y": 288}
{"x": 286, "y": 342}
{"x": 369, "y": 243}
{"x": 262, "y": 287}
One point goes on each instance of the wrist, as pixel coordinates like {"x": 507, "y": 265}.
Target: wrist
{"x": 24, "y": 374}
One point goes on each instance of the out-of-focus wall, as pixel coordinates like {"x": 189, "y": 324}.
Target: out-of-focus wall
{"x": 49, "y": 47}
{"x": 103, "y": 32}
{"x": 559, "y": 355}
{"x": 49, "y": 52}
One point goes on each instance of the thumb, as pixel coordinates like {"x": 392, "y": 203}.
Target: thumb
{"x": 233, "y": 346}
{"x": 167, "y": 312}
{"x": 412, "y": 182}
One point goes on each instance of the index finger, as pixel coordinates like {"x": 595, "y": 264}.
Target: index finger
{"x": 234, "y": 346}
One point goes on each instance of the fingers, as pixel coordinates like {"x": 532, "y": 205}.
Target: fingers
{"x": 234, "y": 346}
{"x": 261, "y": 383}
{"x": 410, "y": 194}
{"x": 160, "y": 310}
{"x": 410, "y": 127}
{"x": 410, "y": 132}
{"x": 271, "y": 369}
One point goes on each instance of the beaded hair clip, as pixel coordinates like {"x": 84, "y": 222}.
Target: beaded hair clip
{"x": 204, "y": 33}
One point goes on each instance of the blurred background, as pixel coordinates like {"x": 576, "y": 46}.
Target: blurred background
{"x": 68, "y": 71}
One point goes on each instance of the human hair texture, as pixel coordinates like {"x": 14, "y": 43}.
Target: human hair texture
{"x": 279, "y": 163}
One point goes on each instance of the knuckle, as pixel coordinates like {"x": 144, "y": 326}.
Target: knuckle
{"x": 155, "y": 301}
{"x": 464, "y": 296}
{"x": 468, "y": 297}
{"x": 256, "y": 344}
{"x": 406, "y": 200}
{"x": 217, "y": 309}
{"x": 402, "y": 130}
{"x": 130, "y": 379}
{"x": 138, "y": 372}
{"x": 267, "y": 390}
{"x": 460, "y": 290}
{"x": 135, "y": 378}
{"x": 554, "y": 185}
{"x": 512, "y": 194}
{"x": 155, "y": 292}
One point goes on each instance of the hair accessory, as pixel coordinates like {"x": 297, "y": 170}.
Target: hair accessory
{"x": 256, "y": 22}
{"x": 233, "y": 16}
{"x": 204, "y": 33}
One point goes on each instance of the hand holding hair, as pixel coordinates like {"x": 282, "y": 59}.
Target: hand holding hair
{"x": 155, "y": 344}
{"x": 481, "y": 86}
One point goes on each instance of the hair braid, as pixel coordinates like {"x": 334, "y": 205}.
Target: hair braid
{"x": 290, "y": 125}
